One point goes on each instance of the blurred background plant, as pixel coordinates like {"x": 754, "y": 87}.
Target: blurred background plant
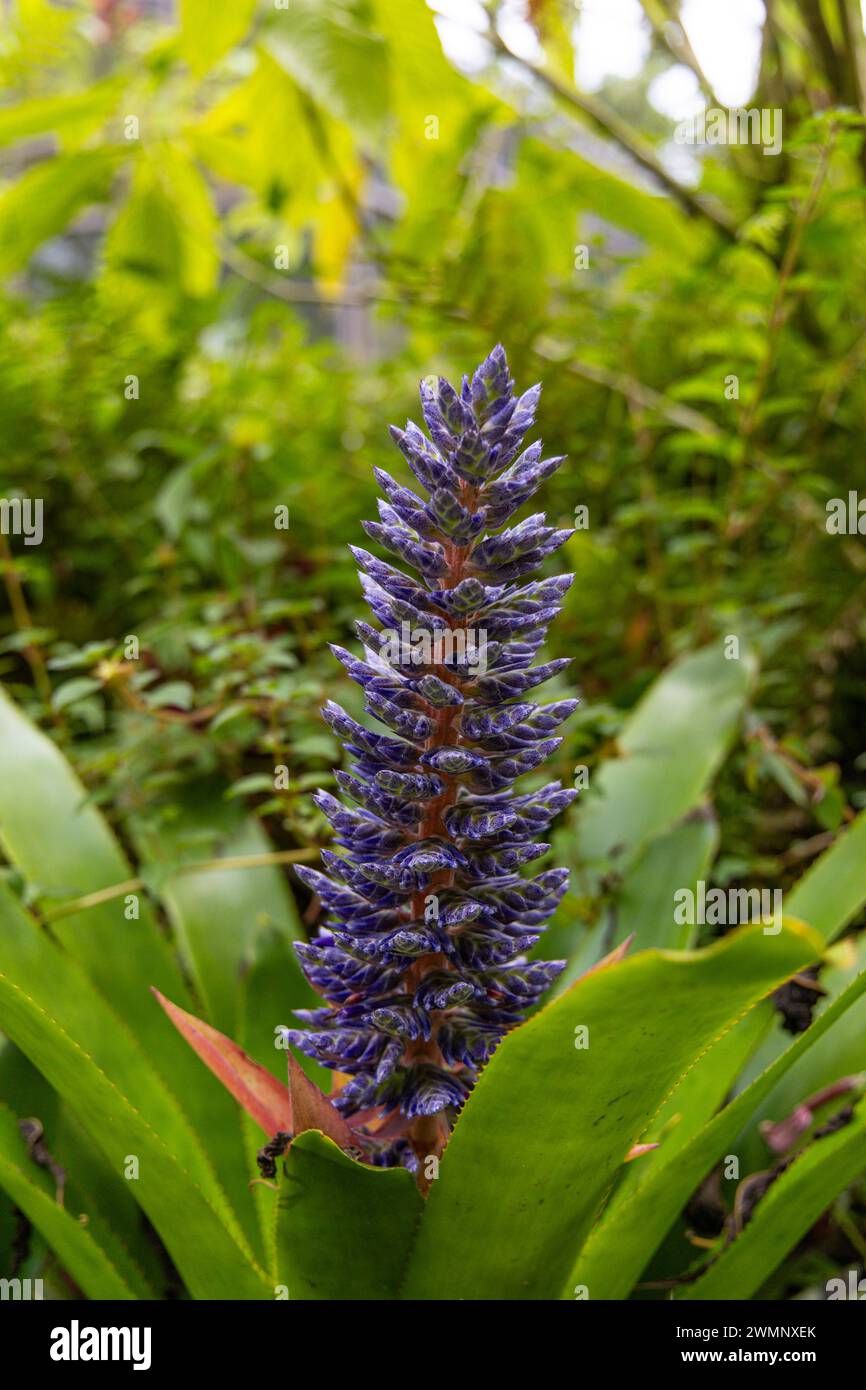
{"x": 232, "y": 237}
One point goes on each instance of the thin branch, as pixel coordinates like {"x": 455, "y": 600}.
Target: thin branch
{"x": 804, "y": 215}
{"x": 22, "y": 619}
{"x": 608, "y": 123}
{"x": 131, "y": 885}
{"x": 664, "y": 16}
{"x": 634, "y": 391}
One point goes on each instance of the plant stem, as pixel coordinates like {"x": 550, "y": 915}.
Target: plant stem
{"x": 428, "y": 1134}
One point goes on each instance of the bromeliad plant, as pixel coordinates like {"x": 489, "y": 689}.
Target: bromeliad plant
{"x": 423, "y": 961}
{"x": 423, "y": 969}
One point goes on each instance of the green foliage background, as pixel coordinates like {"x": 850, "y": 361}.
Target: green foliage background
{"x": 232, "y": 238}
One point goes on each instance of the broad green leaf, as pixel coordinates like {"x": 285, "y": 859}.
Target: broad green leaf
{"x": 164, "y": 239}
{"x": 550, "y": 1122}
{"x": 840, "y": 1053}
{"x": 669, "y": 751}
{"x": 217, "y": 913}
{"x": 344, "y": 1229}
{"x": 32, "y": 1189}
{"x": 208, "y": 31}
{"x": 93, "y": 1192}
{"x": 336, "y": 60}
{"x": 620, "y": 1246}
{"x": 62, "y": 845}
{"x": 785, "y": 1213}
{"x": 643, "y": 906}
{"x": 42, "y": 202}
{"x": 587, "y": 187}
{"x": 831, "y": 892}
{"x": 73, "y": 690}
{"x": 192, "y": 207}
{"x": 52, "y": 1013}
{"x": 697, "y": 1097}
{"x": 70, "y": 116}
{"x": 834, "y": 889}
{"x": 106, "y": 1201}
{"x": 235, "y": 138}
{"x": 425, "y": 89}
{"x": 666, "y": 757}
{"x": 676, "y": 858}
{"x": 828, "y": 895}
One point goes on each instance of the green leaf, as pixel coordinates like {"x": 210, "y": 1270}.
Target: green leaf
{"x": 841, "y": 1053}
{"x": 42, "y": 202}
{"x": 105, "y": 1200}
{"x": 423, "y": 83}
{"x": 164, "y": 238}
{"x": 31, "y": 1188}
{"x": 61, "y": 843}
{"x": 783, "y": 1216}
{"x": 344, "y": 1229}
{"x": 677, "y": 858}
{"x": 71, "y": 691}
{"x": 669, "y": 751}
{"x": 834, "y": 889}
{"x": 825, "y": 898}
{"x": 667, "y": 755}
{"x": 621, "y": 1245}
{"x": 178, "y": 693}
{"x": 550, "y": 1123}
{"x": 216, "y": 912}
{"x": 643, "y": 906}
{"x": 272, "y": 987}
{"x": 51, "y": 1012}
{"x": 208, "y": 31}
{"x": 253, "y": 782}
{"x": 828, "y": 896}
{"x": 585, "y": 187}
{"x": 93, "y": 1193}
{"x": 71, "y": 116}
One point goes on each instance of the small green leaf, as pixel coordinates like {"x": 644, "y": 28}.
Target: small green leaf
{"x": 180, "y": 694}
{"x": 73, "y": 690}
{"x": 208, "y": 31}
{"x": 244, "y": 786}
